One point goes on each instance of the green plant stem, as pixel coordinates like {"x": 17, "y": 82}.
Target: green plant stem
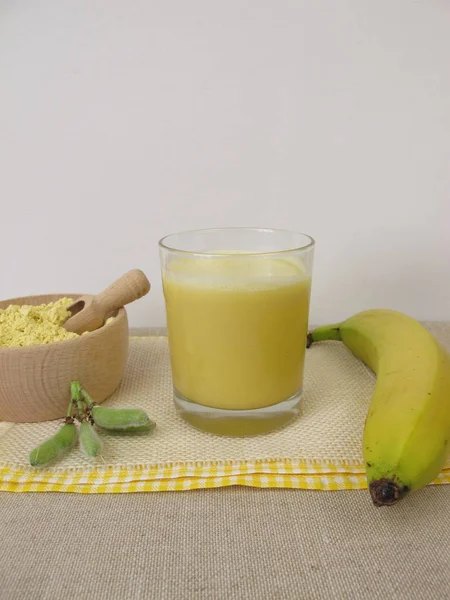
{"x": 75, "y": 390}
{"x": 78, "y": 399}
{"x": 86, "y": 398}
{"x": 81, "y": 410}
{"x": 70, "y": 409}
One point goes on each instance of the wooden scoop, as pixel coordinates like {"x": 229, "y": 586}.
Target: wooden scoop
{"x": 90, "y": 312}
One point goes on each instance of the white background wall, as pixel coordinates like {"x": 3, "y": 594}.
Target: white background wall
{"x": 121, "y": 121}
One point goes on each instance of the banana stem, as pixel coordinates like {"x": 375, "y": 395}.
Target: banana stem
{"x": 325, "y": 332}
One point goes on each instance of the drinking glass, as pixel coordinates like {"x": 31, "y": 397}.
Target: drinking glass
{"x": 237, "y": 306}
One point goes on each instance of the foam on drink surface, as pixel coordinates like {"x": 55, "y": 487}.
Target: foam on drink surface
{"x": 235, "y": 271}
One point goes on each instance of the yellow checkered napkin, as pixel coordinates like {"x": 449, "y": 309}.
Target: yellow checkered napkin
{"x": 321, "y": 450}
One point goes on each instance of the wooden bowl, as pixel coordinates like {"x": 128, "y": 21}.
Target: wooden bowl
{"x": 35, "y": 380}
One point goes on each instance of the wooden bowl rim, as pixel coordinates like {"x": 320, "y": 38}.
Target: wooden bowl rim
{"x": 82, "y": 339}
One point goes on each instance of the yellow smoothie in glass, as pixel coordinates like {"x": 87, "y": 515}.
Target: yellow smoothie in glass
{"x": 237, "y": 329}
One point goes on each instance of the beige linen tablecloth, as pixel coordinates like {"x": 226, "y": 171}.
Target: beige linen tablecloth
{"x": 224, "y": 544}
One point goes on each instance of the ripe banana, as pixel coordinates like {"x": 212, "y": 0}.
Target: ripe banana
{"x": 407, "y": 431}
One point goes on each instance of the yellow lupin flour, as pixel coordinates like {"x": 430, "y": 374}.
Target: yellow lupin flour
{"x": 31, "y": 325}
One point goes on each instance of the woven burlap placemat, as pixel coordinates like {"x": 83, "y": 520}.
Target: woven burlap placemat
{"x": 321, "y": 449}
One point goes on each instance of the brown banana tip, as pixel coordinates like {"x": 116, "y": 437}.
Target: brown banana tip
{"x": 309, "y": 340}
{"x": 386, "y": 492}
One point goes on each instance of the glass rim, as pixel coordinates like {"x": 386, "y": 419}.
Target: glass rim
{"x": 308, "y": 245}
